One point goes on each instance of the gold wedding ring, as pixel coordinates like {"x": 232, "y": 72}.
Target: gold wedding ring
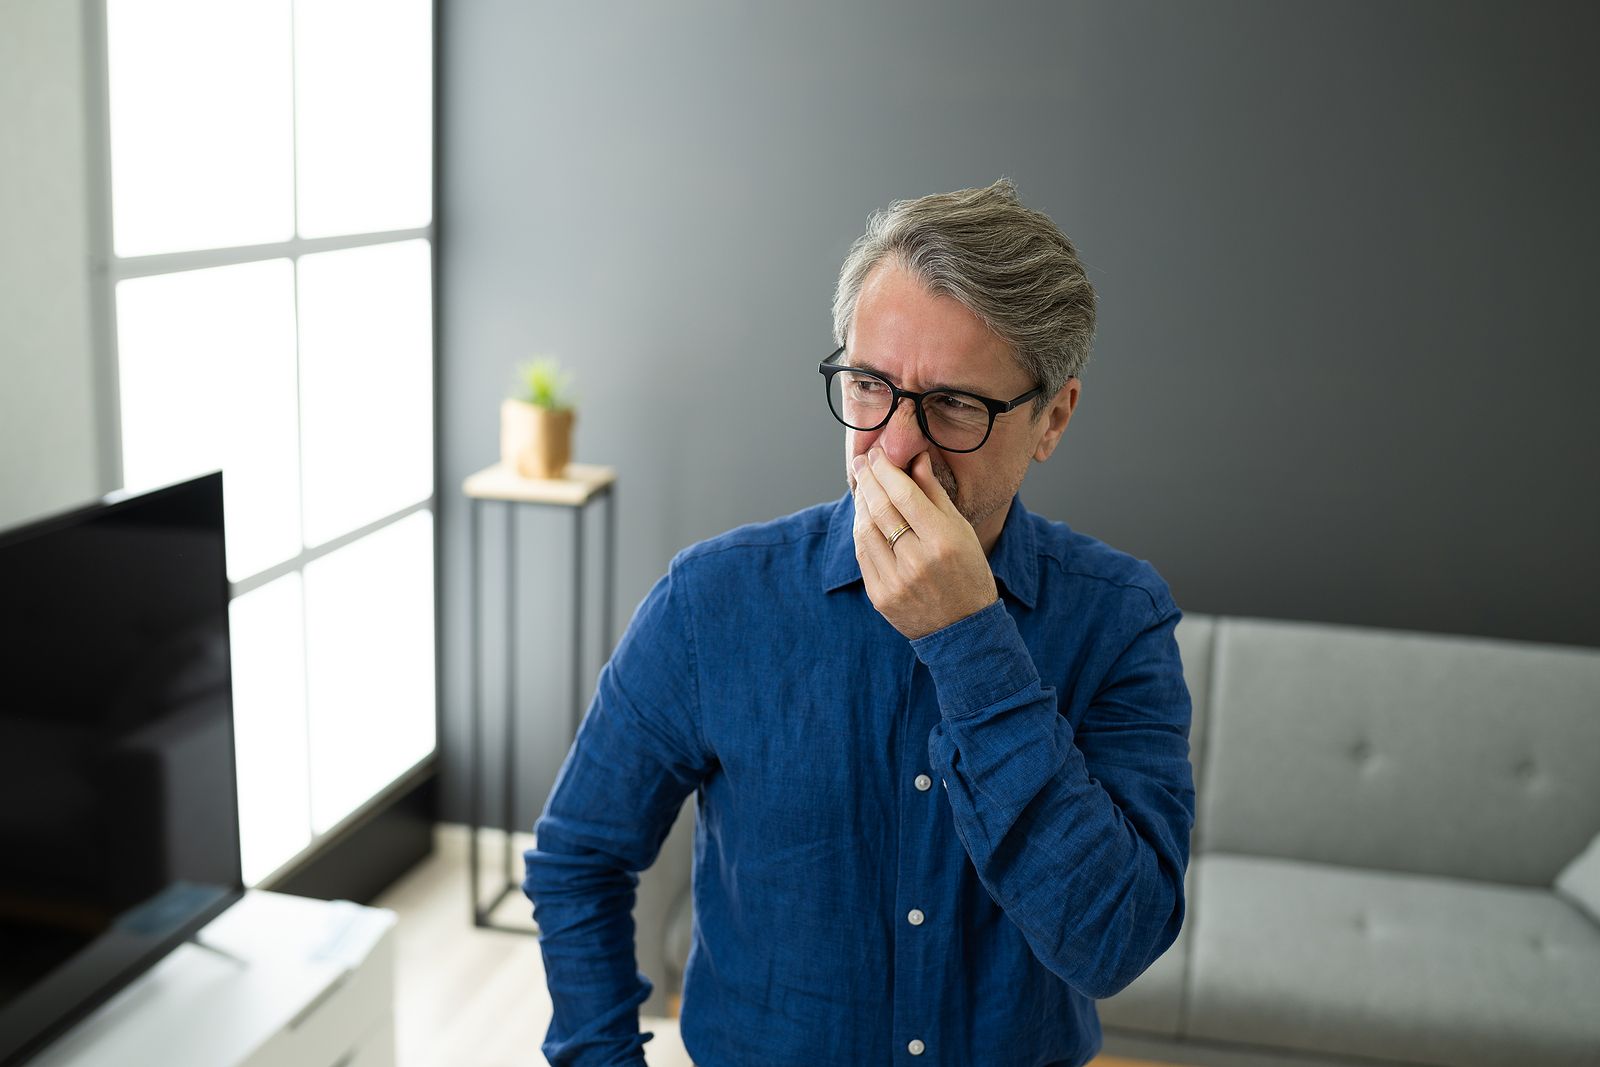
{"x": 896, "y": 535}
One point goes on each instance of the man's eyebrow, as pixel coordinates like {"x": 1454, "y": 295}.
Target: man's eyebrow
{"x": 861, "y": 364}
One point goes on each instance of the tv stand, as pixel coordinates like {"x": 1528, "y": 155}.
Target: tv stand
{"x": 274, "y": 981}
{"x": 203, "y": 946}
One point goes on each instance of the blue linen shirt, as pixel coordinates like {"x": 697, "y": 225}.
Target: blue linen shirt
{"x": 911, "y": 852}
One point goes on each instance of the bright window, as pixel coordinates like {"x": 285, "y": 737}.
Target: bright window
{"x": 363, "y": 94}
{"x": 369, "y": 620}
{"x": 207, "y": 371}
{"x": 202, "y": 123}
{"x": 366, "y": 384}
{"x": 270, "y": 257}
{"x": 269, "y": 710}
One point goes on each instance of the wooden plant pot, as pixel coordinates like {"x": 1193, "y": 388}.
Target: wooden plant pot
{"x": 535, "y": 442}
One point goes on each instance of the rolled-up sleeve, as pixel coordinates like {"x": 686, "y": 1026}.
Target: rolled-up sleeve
{"x": 638, "y": 753}
{"x": 1080, "y": 835}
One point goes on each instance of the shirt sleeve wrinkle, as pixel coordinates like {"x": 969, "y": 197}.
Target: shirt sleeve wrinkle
{"x": 1081, "y": 837}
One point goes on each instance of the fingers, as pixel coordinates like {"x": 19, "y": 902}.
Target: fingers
{"x": 897, "y": 496}
{"x": 872, "y": 551}
{"x": 885, "y": 516}
{"x": 904, "y": 493}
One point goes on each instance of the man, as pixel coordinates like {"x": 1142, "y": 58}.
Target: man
{"x": 940, "y": 743}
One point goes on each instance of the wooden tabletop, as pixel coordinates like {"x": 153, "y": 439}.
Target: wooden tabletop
{"x": 577, "y": 486}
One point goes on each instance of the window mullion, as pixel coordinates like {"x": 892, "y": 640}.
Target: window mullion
{"x": 196, "y": 259}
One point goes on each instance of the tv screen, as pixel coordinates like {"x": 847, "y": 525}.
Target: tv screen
{"x": 119, "y": 822}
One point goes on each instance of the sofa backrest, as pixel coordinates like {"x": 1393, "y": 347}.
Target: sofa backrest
{"x": 1392, "y": 750}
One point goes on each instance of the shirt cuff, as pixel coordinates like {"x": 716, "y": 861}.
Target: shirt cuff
{"x": 977, "y": 661}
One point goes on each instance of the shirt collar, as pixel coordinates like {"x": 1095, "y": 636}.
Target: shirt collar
{"x": 1014, "y": 560}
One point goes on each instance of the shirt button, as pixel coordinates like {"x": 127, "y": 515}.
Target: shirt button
{"x": 924, "y": 783}
{"x": 916, "y": 1048}
{"x": 915, "y": 917}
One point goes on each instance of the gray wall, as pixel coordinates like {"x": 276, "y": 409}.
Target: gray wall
{"x": 1344, "y": 369}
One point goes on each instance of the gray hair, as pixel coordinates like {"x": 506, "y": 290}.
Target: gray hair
{"x": 1007, "y": 264}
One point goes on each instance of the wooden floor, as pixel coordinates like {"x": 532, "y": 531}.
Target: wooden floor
{"x": 466, "y": 997}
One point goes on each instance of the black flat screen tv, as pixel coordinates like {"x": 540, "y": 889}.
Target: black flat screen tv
{"x": 119, "y": 820}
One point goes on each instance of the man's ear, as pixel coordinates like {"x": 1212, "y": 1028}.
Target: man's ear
{"x": 1056, "y": 417}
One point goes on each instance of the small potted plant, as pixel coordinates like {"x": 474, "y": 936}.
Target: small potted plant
{"x": 536, "y": 420}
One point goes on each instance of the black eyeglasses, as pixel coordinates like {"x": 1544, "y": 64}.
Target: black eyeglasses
{"x": 953, "y": 419}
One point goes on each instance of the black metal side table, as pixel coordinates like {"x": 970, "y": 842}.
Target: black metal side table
{"x": 581, "y": 485}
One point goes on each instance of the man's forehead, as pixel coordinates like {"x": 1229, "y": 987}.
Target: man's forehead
{"x": 930, "y": 363}
{"x": 922, "y": 339}
{"x": 965, "y": 380}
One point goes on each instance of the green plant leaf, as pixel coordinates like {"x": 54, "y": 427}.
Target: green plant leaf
{"x": 545, "y": 384}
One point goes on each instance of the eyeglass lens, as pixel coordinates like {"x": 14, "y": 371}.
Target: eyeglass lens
{"x": 861, "y": 402}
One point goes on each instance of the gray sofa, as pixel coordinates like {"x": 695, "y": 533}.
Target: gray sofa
{"x": 1381, "y": 818}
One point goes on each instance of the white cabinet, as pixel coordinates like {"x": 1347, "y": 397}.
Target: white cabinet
{"x": 280, "y": 982}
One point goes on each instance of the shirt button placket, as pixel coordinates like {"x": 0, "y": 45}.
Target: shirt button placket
{"x": 916, "y": 918}
{"x": 916, "y": 947}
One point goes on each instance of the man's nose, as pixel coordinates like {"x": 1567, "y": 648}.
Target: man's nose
{"x": 901, "y": 438}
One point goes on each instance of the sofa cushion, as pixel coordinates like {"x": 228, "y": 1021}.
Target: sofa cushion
{"x": 1308, "y": 956}
{"x": 1579, "y": 881}
{"x": 1400, "y": 751}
